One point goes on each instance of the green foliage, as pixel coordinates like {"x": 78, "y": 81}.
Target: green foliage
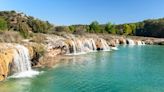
{"x": 72, "y": 28}
{"x": 11, "y": 20}
{"x": 39, "y": 26}
{"x": 24, "y": 30}
{"x": 94, "y": 27}
{"x": 3, "y": 24}
{"x": 127, "y": 30}
{"x": 110, "y": 28}
{"x": 62, "y": 29}
{"x": 133, "y": 28}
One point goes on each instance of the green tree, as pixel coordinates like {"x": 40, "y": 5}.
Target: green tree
{"x": 94, "y": 27}
{"x": 39, "y": 26}
{"x": 133, "y": 28}
{"x": 127, "y": 29}
{"x": 110, "y": 28}
{"x": 72, "y": 28}
{"x": 3, "y": 24}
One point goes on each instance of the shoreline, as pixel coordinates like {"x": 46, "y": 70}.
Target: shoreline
{"x": 44, "y": 53}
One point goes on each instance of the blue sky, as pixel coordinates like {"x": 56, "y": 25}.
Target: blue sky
{"x": 66, "y": 12}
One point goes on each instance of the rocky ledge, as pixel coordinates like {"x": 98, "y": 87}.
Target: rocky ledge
{"x": 54, "y": 45}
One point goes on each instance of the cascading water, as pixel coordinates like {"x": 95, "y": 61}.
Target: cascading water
{"x": 124, "y": 42}
{"x": 21, "y": 62}
{"x": 93, "y": 44}
{"x": 143, "y": 43}
{"x": 140, "y": 43}
{"x": 117, "y": 42}
{"x": 105, "y": 45}
{"x": 82, "y": 46}
{"x": 73, "y": 46}
{"x": 21, "y": 59}
{"x": 89, "y": 45}
{"x": 135, "y": 42}
{"x": 130, "y": 42}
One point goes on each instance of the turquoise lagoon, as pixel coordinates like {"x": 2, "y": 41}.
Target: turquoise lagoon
{"x": 130, "y": 69}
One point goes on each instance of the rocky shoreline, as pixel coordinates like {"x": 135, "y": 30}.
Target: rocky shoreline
{"x": 43, "y": 52}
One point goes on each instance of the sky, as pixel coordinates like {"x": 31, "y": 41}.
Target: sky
{"x": 68, "y": 12}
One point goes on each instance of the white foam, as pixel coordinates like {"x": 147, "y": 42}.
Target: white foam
{"x": 106, "y": 50}
{"x": 114, "y": 48}
{"x": 22, "y": 63}
{"x": 131, "y": 42}
{"x": 25, "y": 74}
{"x": 79, "y": 53}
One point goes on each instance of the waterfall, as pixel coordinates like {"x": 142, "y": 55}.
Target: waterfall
{"x": 143, "y": 43}
{"x": 135, "y": 42}
{"x": 130, "y": 42}
{"x": 93, "y": 44}
{"x": 82, "y": 46}
{"x": 74, "y": 46}
{"x": 89, "y": 45}
{"x": 117, "y": 42}
{"x": 105, "y": 45}
{"x": 124, "y": 42}
{"x": 21, "y": 59}
{"x": 22, "y": 63}
{"x": 140, "y": 42}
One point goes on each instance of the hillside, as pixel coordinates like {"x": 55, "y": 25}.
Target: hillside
{"x": 13, "y": 21}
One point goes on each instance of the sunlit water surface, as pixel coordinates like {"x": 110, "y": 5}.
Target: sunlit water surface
{"x": 130, "y": 69}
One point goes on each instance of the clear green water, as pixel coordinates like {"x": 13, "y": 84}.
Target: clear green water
{"x": 130, "y": 69}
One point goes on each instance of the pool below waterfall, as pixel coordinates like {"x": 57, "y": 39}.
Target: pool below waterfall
{"x": 129, "y": 69}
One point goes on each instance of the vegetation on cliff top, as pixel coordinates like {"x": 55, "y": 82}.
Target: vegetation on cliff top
{"x": 147, "y": 28}
{"x": 12, "y": 21}
{"x": 26, "y": 25}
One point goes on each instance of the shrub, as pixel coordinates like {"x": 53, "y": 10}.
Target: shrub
{"x": 94, "y": 27}
{"x": 3, "y": 24}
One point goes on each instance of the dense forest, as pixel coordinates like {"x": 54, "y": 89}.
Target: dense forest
{"x": 13, "y": 21}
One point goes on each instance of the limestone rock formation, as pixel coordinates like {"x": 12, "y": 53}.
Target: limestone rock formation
{"x": 6, "y": 57}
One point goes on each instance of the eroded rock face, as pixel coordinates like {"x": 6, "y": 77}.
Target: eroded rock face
{"x": 6, "y": 57}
